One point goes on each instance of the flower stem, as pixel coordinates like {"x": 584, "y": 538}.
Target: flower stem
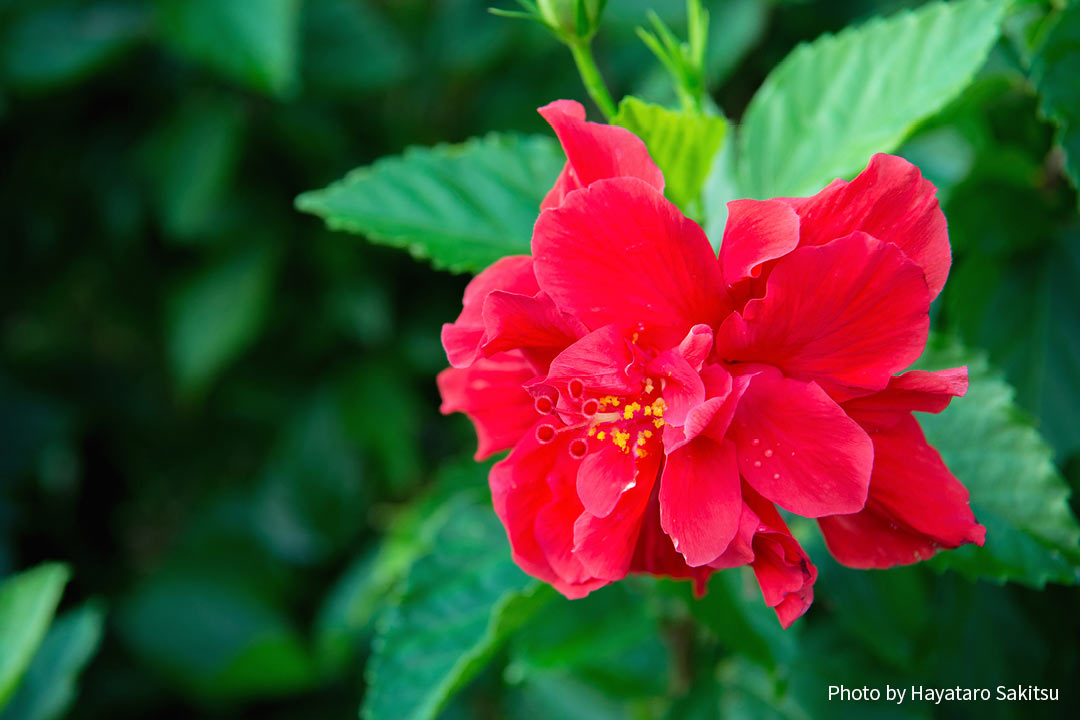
{"x": 590, "y": 75}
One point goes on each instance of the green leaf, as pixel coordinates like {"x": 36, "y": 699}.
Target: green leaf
{"x": 364, "y": 588}
{"x": 255, "y": 42}
{"x": 190, "y": 161}
{"x": 1022, "y": 310}
{"x": 1055, "y": 69}
{"x": 462, "y": 206}
{"x": 49, "y": 686}
{"x": 350, "y": 47}
{"x": 1016, "y": 490}
{"x": 27, "y": 603}
{"x": 215, "y": 639}
{"x": 458, "y": 606}
{"x": 682, "y": 144}
{"x": 61, "y": 44}
{"x": 610, "y": 640}
{"x": 824, "y": 110}
{"x": 217, "y": 314}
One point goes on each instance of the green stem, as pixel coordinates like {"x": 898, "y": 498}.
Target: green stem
{"x": 590, "y": 75}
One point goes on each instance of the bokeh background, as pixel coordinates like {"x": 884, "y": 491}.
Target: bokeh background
{"x": 215, "y": 410}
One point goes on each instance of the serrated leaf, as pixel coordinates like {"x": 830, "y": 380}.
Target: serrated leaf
{"x": 611, "y": 640}
{"x": 682, "y": 144}
{"x": 49, "y": 686}
{"x": 831, "y": 104}
{"x": 51, "y": 46}
{"x": 216, "y": 314}
{"x": 1055, "y": 69}
{"x": 254, "y": 43}
{"x": 461, "y": 206}
{"x": 458, "y": 606}
{"x": 27, "y": 604}
{"x": 1016, "y": 490}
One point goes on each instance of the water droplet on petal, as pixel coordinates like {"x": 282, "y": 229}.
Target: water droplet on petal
{"x": 768, "y": 453}
{"x": 755, "y": 442}
{"x": 776, "y": 476}
{"x": 757, "y": 463}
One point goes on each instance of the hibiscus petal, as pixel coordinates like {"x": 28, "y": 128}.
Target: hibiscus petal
{"x": 782, "y": 568}
{"x": 850, "y": 313}
{"x": 605, "y": 545}
{"x": 531, "y": 324}
{"x": 603, "y": 360}
{"x": 890, "y": 200}
{"x": 798, "y": 448}
{"x": 532, "y": 492}
{"x": 712, "y": 417}
{"x": 741, "y": 550}
{"x": 462, "y": 338}
{"x": 655, "y": 554}
{"x": 696, "y": 345}
{"x": 605, "y": 474}
{"x": 916, "y": 390}
{"x": 594, "y": 151}
{"x": 682, "y": 388}
{"x": 700, "y": 500}
{"x": 915, "y": 507}
{"x": 490, "y": 392}
{"x": 756, "y": 231}
{"x": 619, "y": 252}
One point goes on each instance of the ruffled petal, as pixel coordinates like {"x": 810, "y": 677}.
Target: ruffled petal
{"x": 462, "y": 338}
{"x": 605, "y": 474}
{"x": 619, "y": 253}
{"x": 756, "y": 231}
{"x": 711, "y": 417}
{"x": 603, "y": 361}
{"x": 890, "y": 200}
{"x": 682, "y": 387}
{"x": 532, "y": 491}
{"x": 655, "y": 554}
{"x": 847, "y": 314}
{"x": 605, "y": 545}
{"x": 782, "y": 568}
{"x": 594, "y": 151}
{"x": 916, "y": 506}
{"x": 531, "y": 324}
{"x": 700, "y": 500}
{"x": 490, "y": 392}
{"x": 798, "y": 448}
{"x": 916, "y": 390}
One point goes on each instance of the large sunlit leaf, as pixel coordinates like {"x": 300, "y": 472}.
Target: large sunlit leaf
{"x": 1016, "y": 490}
{"x": 683, "y": 145}
{"x": 1056, "y": 69}
{"x": 255, "y": 43}
{"x": 461, "y": 206}
{"x": 49, "y": 686}
{"x": 831, "y": 104}
{"x": 458, "y": 605}
{"x": 27, "y": 604}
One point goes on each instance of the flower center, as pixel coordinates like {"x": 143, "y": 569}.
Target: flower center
{"x": 632, "y": 425}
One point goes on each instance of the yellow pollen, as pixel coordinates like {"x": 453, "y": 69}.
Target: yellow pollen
{"x": 621, "y": 440}
{"x": 629, "y": 410}
{"x": 648, "y": 410}
{"x": 658, "y": 423}
{"x": 647, "y": 433}
{"x": 592, "y": 431}
{"x": 600, "y": 435}
{"x": 640, "y": 452}
{"x": 648, "y": 385}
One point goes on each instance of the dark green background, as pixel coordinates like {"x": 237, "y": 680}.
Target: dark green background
{"x": 213, "y": 409}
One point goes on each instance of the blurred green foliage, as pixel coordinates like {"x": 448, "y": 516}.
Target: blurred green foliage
{"x": 222, "y": 416}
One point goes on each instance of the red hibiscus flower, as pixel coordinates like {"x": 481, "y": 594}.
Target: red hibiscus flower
{"x": 658, "y": 400}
